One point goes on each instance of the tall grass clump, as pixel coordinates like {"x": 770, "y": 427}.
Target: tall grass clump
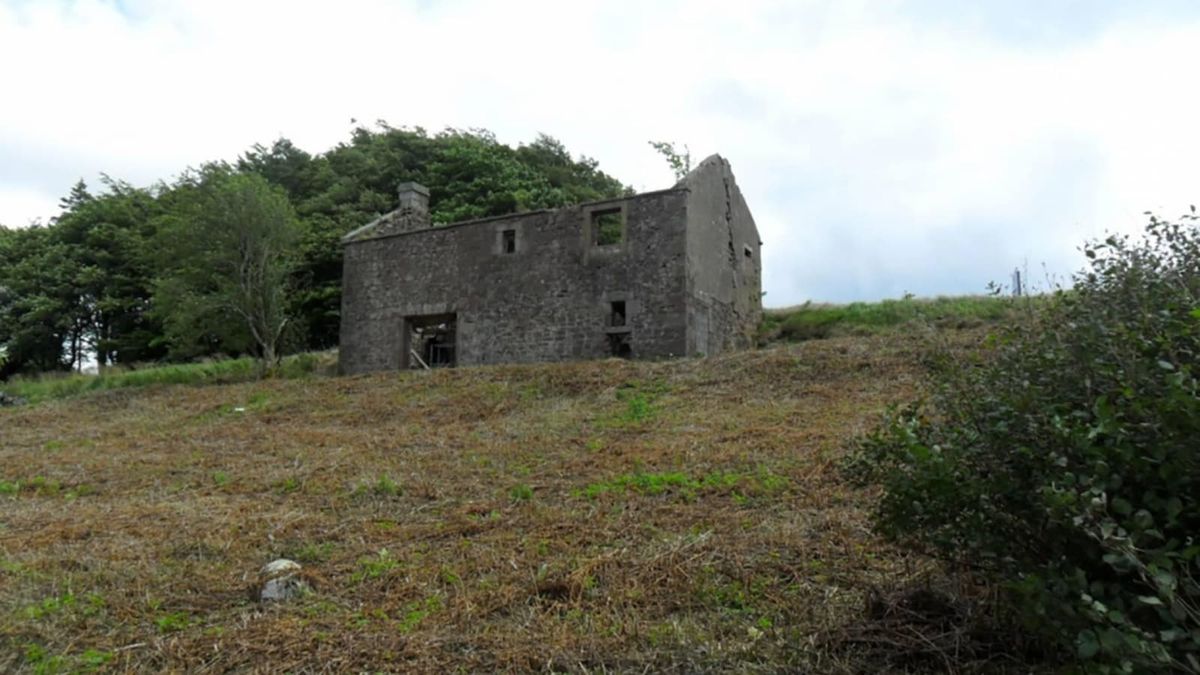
{"x": 1064, "y": 464}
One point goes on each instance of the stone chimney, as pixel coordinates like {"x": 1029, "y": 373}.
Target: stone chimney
{"x": 413, "y": 212}
{"x": 414, "y": 197}
{"x": 410, "y": 216}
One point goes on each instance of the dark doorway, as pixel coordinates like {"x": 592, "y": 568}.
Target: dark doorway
{"x": 430, "y": 341}
{"x": 620, "y": 345}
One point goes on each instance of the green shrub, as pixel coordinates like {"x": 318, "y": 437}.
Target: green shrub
{"x": 1063, "y": 460}
{"x": 385, "y": 486}
{"x": 375, "y": 567}
{"x": 173, "y": 622}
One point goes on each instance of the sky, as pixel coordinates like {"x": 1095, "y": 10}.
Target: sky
{"x": 885, "y": 146}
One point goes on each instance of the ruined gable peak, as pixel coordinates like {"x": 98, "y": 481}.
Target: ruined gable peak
{"x": 713, "y": 161}
{"x": 410, "y": 215}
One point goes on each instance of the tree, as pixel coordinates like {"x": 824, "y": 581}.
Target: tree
{"x": 36, "y": 300}
{"x": 681, "y": 164}
{"x": 105, "y": 237}
{"x": 78, "y": 196}
{"x": 228, "y": 247}
{"x": 285, "y": 165}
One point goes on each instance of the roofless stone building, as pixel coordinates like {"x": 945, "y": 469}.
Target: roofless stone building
{"x": 659, "y": 274}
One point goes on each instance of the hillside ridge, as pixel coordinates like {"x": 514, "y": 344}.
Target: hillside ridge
{"x": 684, "y": 514}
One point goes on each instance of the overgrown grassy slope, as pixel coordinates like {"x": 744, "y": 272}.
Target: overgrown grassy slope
{"x": 818, "y": 320}
{"x": 588, "y": 517}
{"x": 63, "y": 385}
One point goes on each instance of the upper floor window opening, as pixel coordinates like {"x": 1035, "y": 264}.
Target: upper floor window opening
{"x": 608, "y": 227}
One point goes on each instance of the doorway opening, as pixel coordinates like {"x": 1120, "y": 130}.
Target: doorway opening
{"x": 620, "y": 346}
{"x": 430, "y": 341}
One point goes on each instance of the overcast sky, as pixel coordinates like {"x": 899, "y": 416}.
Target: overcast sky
{"x": 884, "y": 146}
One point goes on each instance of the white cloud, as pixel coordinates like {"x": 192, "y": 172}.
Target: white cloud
{"x": 880, "y": 151}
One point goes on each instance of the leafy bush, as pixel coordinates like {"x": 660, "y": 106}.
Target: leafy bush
{"x": 1063, "y": 459}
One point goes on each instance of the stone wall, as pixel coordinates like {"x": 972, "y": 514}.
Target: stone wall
{"x": 724, "y": 263}
{"x": 686, "y": 271}
{"x": 548, "y": 300}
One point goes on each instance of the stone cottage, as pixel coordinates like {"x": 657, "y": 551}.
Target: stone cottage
{"x": 669, "y": 273}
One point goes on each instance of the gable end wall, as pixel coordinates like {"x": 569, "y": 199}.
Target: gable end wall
{"x": 724, "y": 263}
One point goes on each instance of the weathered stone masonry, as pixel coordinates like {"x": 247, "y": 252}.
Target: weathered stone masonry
{"x": 682, "y": 278}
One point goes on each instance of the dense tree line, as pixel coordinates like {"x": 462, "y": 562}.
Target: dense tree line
{"x": 125, "y": 275}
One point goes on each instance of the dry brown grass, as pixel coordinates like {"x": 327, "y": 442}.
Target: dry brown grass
{"x": 140, "y": 517}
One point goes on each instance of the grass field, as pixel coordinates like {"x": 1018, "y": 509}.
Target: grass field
{"x": 65, "y": 385}
{"x": 790, "y": 324}
{"x": 815, "y": 321}
{"x": 591, "y": 517}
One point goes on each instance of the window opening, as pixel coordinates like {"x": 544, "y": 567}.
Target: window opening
{"x": 509, "y": 241}
{"x": 607, "y": 227}
{"x": 616, "y": 316}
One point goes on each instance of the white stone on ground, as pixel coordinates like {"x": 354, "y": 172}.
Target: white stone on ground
{"x": 281, "y": 581}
